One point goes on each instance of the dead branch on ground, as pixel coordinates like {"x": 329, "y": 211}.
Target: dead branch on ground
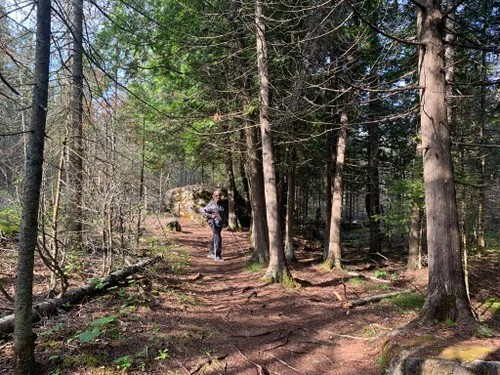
{"x": 50, "y": 306}
{"x": 378, "y": 297}
{"x": 373, "y": 278}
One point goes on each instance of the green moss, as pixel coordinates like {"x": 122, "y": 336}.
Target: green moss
{"x": 424, "y": 339}
{"x": 493, "y": 305}
{"x": 289, "y": 282}
{"x": 355, "y": 281}
{"x": 84, "y": 360}
{"x": 49, "y": 345}
{"x": 409, "y": 301}
{"x": 253, "y": 267}
{"x": 466, "y": 353}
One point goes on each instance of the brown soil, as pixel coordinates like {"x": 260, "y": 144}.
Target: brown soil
{"x": 207, "y": 317}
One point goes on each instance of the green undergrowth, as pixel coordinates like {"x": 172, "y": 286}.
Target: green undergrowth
{"x": 10, "y": 219}
{"x": 289, "y": 282}
{"x": 493, "y": 305}
{"x": 412, "y": 301}
{"x": 175, "y": 256}
{"x": 492, "y": 243}
{"x": 355, "y": 281}
{"x": 253, "y": 267}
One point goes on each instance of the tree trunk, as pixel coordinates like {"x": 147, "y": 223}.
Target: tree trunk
{"x": 246, "y": 185}
{"x": 55, "y": 222}
{"x": 255, "y": 174}
{"x": 373, "y": 191}
{"x": 277, "y": 270}
{"x": 231, "y": 192}
{"x": 328, "y": 192}
{"x": 141, "y": 182}
{"x": 480, "y": 246}
{"x": 290, "y": 209}
{"x": 334, "y": 249}
{"x": 414, "y": 238}
{"x": 75, "y": 132}
{"x": 259, "y": 219}
{"x": 414, "y": 249}
{"x": 24, "y": 336}
{"x": 446, "y": 295}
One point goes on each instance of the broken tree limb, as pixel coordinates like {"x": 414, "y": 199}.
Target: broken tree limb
{"x": 6, "y": 294}
{"x": 50, "y": 306}
{"x": 373, "y": 278}
{"x": 376, "y": 298}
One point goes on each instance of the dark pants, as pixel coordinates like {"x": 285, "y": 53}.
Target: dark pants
{"x": 216, "y": 243}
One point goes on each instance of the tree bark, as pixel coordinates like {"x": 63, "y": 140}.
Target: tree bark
{"x": 277, "y": 270}
{"x": 290, "y": 209}
{"x": 373, "y": 190}
{"x": 245, "y": 184}
{"x": 414, "y": 249}
{"x": 24, "y": 337}
{"x": 328, "y": 191}
{"x": 255, "y": 174}
{"x": 260, "y": 234}
{"x": 414, "y": 238}
{"x": 446, "y": 295}
{"x": 141, "y": 182}
{"x": 335, "y": 248}
{"x": 55, "y": 222}
{"x": 75, "y": 132}
{"x": 480, "y": 246}
{"x": 231, "y": 191}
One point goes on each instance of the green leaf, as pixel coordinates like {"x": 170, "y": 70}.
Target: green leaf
{"x": 450, "y": 323}
{"x": 88, "y": 336}
{"x": 104, "y": 320}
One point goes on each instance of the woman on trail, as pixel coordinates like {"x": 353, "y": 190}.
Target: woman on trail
{"x": 214, "y": 212}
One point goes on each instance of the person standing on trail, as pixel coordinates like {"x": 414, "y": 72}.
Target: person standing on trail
{"x": 214, "y": 212}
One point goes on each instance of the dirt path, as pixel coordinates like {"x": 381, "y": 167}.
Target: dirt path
{"x": 191, "y": 315}
{"x": 255, "y": 327}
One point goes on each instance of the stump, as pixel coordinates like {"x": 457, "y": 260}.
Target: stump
{"x": 173, "y": 226}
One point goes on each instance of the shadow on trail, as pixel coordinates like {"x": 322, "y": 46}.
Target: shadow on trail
{"x": 217, "y": 318}
{"x": 219, "y": 309}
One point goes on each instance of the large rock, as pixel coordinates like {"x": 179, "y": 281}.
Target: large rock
{"x": 421, "y": 356}
{"x": 186, "y": 201}
{"x": 434, "y": 366}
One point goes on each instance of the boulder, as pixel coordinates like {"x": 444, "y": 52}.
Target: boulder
{"x": 421, "y": 356}
{"x": 186, "y": 201}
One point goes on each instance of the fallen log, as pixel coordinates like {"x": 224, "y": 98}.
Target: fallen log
{"x": 373, "y": 278}
{"x": 71, "y": 297}
{"x": 376, "y": 298}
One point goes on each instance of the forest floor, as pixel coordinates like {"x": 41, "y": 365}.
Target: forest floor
{"x": 191, "y": 315}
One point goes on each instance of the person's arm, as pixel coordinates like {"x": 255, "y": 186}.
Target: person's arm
{"x": 206, "y": 211}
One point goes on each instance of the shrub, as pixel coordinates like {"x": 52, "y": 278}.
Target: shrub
{"x": 10, "y": 220}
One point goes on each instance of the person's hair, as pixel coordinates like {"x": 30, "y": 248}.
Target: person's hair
{"x": 217, "y": 192}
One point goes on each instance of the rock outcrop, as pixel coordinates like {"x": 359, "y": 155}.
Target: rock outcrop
{"x": 186, "y": 201}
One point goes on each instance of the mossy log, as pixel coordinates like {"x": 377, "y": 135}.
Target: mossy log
{"x": 372, "y": 278}
{"x": 376, "y": 298}
{"x": 71, "y": 297}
